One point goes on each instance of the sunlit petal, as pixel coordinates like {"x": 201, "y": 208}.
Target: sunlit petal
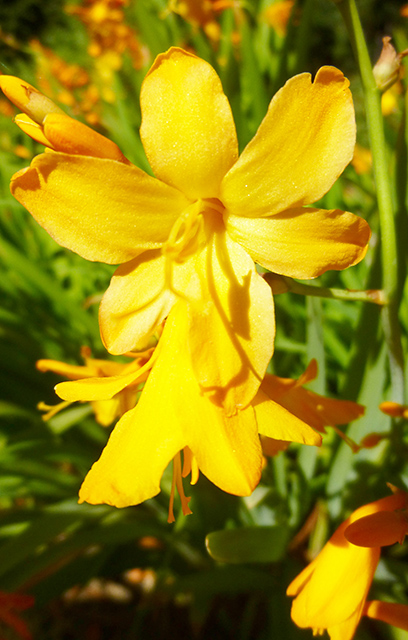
{"x": 138, "y": 300}
{"x": 187, "y": 127}
{"x": 231, "y": 323}
{"x": 302, "y": 242}
{"x": 102, "y": 209}
{"x": 301, "y": 147}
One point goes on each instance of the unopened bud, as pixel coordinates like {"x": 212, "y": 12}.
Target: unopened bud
{"x": 27, "y": 98}
{"x": 387, "y": 68}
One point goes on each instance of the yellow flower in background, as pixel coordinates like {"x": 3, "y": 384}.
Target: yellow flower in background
{"x": 331, "y": 592}
{"x": 188, "y": 238}
{"x": 105, "y": 410}
{"x": 313, "y": 409}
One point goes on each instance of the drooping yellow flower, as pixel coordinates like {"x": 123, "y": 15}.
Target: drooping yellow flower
{"x": 188, "y": 238}
{"x": 331, "y": 591}
{"x": 105, "y": 410}
{"x": 313, "y": 409}
{"x": 172, "y": 415}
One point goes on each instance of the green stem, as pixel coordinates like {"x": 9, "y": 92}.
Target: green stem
{"x": 376, "y": 296}
{"x": 372, "y": 98}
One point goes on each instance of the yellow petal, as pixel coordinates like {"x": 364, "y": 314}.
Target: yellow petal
{"x": 301, "y": 147}
{"x": 138, "y": 300}
{"x": 231, "y": 323}
{"x": 338, "y": 586}
{"x": 172, "y": 414}
{"x": 71, "y": 136}
{"x": 106, "y": 411}
{"x": 187, "y": 127}
{"x": 32, "y": 129}
{"x": 278, "y": 423}
{"x": 101, "y": 388}
{"x": 71, "y": 371}
{"x": 303, "y": 242}
{"x": 102, "y": 209}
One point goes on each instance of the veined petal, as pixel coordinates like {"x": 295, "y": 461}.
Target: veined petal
{"x": 302, "y": 242}
{"x": 102, "y": 209}
{"x": 274, "y": 421}
{"x": 146, "y": 438}
{"x": 139, "y": 299}
{"x": 300, "y": 149}
{"x": 187, "y": 128}
{"x": 231, "y": 323}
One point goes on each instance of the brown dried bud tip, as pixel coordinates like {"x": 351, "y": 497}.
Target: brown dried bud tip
{"x": 387, "y": 69}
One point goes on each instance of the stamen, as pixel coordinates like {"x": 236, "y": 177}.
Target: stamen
{"x": 353, "y": 445}
{"x": 178, "y": 483}
{"x": 190, "y": 465}
{"x": 52, "y": 410}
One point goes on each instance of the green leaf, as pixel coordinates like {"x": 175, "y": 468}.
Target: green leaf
{"x": 248, "y": 544}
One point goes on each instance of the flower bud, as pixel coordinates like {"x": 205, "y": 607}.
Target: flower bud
{"x": 386, "y": 70}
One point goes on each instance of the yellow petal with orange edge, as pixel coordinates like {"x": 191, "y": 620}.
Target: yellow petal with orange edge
{"x": 378, "y": 529}
{"x": 172, "y": 414}
{"x": 278, "y": 423}
{"x": 102, "y": 209}
{"x": 71, "y": 136}
{"x": 231, "y": 322}
{"x": 138, "y": 300}
{"x": 390, "y": 612}
{"x": 302, "y": 242}
{"x": 187, "y": 129}
{"x": 302, "y": 146}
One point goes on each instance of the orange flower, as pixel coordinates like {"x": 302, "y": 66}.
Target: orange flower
{"x": 314, "y": 409}
{"x": 331, "y": 592}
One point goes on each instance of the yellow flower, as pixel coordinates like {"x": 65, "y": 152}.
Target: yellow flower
{"x": 312, "y": 408}
{"x": 172, "y": 415}
{"x": 188, "y": 238}
{"x": 331, "y": 592}
{"x": 105, "y": 410}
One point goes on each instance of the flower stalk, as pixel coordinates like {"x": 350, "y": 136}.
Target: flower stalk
{"x": 372, "y": 98}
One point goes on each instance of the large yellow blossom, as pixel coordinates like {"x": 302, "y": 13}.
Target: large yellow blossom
{"x": 331, "y": 591}
{"x": 188, "y": 238}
